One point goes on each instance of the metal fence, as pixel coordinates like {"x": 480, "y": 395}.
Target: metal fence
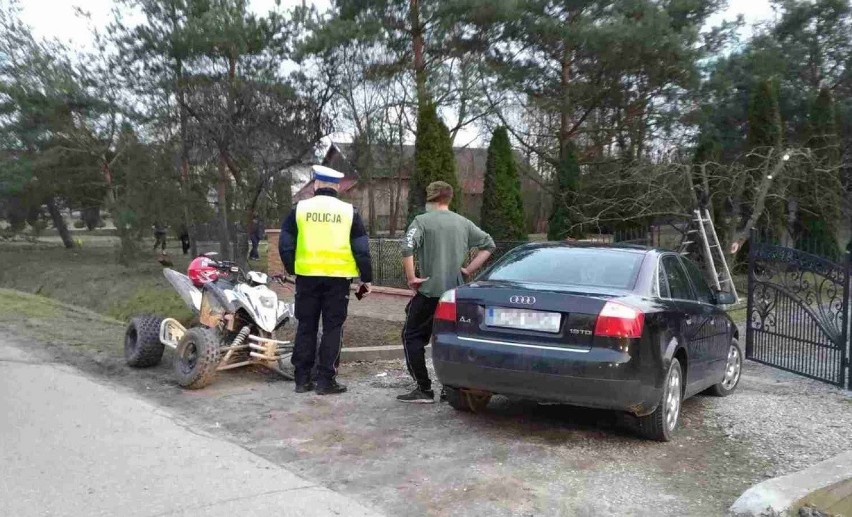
{"x": 798, "y": 311}
{"x": 386, "y": 254}
{"x": 208, "y": 237}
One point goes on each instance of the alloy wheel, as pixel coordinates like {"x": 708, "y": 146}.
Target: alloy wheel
{"x": 733, "y": 368}
{"x": 673, "y": 397}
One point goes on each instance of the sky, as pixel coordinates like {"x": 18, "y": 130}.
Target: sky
{"x": 57, "y": 19}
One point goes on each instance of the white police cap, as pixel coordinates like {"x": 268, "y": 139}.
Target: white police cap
{"x": 326, "y": 174}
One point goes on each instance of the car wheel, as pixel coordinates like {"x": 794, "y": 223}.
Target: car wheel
{"x": 733, "y": 371}
{"x": 661, "y": 424}
{"x": 463, "y": 399}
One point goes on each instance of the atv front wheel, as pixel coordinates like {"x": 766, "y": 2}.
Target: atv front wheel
{"x": 197, "y": 357}
{"x": 142, "y": 346}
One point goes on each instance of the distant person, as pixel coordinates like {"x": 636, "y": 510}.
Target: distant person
{"x": 160, "y": 236}
{"x": 256, "y": 233}
{"x": 323, "y": 241}
{"x": 441, "y": 239}
{"x": 184, "y": 240}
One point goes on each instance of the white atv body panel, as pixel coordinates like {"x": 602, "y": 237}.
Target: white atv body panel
{"x": 261, "y": 303}
{"x": 190, "y": 294}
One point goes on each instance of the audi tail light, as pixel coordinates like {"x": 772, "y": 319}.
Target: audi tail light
{"x": 619, "y": 320}
{"x": 446, "y": 310}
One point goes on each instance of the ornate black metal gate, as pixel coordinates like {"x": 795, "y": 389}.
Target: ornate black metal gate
{"x": 798, "y": 312}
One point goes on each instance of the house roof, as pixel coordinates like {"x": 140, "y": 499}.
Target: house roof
{"x": 346, "y": 184}
{"x": 470, "y": 163}
{"x": 389, "y": 162}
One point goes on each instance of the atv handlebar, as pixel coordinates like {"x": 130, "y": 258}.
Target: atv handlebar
{"x": 231, "y": 268}
{"x": 282, "y": 279}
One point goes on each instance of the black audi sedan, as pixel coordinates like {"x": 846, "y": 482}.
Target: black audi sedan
{"x": 625, "y": 328}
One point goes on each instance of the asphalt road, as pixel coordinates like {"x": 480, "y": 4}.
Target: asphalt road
{"x": 72, "y": 447}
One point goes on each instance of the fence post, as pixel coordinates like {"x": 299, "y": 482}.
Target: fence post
{"x": 752, "y": 251}
{"x": 844, "y": 347}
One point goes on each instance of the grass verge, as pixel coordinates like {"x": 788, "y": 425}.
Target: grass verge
{"x": 50, "y": 321}
{"x": 90, "y": 277}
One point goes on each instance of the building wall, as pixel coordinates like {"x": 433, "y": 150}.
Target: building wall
{"x": 384, "y": 189}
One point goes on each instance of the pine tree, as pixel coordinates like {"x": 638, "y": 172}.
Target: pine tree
{"x": 822, "y": 129}
{"x": 764, "y": 117}
{"x": 561, "y": 223}
{"x": 765, "y": 133}
{"x": 502, "y": 205}
{"x": 434, "y": 160}
{"x": 819, "y": 199}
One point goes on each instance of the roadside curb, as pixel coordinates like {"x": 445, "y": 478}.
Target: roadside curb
{"x": 395, "y": 291}
{"x": 783, "y": 495}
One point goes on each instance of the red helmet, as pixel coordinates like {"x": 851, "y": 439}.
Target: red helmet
{"x": 202, "y": 270}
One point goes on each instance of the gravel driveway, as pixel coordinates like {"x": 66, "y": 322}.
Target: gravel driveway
{"x": 517, "y": 458}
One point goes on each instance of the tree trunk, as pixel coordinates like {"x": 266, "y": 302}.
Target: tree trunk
{"x": 419, "y": 58}
{"x": 395, "y": 196}
{"x": 184, "y": 146}
{"x": 184, "y": 174}
{"x": 224, "y": 179}
{"x": 222, "y": 200}
{"x": 371, "y": 204}
{"x": 59, "y": 223}
{"x": 565, "y": 107}
{"x": 769, "y": 177}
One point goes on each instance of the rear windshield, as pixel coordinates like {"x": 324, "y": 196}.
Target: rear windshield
{"x": 569, "y": 266}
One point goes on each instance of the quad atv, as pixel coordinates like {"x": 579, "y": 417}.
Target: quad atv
{"x": 238, "y": 316}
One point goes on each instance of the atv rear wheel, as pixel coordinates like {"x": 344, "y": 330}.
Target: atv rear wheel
{"x": 142, "y": 346}
{"x": 197, "y": 357}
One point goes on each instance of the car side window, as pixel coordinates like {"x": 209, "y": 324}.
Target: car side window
{"x": 679, "y": 288}
{"x": 701, "y": 289}
{"x": 662, "y": 284}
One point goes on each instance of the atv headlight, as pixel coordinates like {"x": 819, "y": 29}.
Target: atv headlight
{"x": 268, "y": 302}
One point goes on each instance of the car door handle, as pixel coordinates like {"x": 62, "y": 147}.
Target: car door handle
{"x": 688, "y": 321}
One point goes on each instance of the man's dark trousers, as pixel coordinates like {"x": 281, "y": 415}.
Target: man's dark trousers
{"x": 415, "y": 336}
{"x": 255, "y": 242}
{"x": 326, "y": 297}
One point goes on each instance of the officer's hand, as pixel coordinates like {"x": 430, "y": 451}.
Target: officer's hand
{"x": 465, "y": 272}
{"x": 415, "y": 283}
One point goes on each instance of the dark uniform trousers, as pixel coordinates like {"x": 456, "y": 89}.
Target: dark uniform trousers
{"x": 416, "y": 334}
{"x": 326, "y": 297}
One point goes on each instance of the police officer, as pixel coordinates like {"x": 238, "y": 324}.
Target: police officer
{"x": 323, "y": 241}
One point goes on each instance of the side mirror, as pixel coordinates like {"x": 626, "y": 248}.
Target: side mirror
{"x": 725, "y": 298}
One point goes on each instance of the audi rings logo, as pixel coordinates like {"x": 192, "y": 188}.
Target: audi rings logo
{"x": 522, "y": 300}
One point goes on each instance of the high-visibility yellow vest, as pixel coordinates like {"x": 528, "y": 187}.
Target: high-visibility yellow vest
{"x": 322, "y": 245}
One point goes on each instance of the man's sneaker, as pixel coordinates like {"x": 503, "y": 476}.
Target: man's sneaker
{"x": 330, "y": 389}
{"x": 304, "y": 388}
{"x": 418, "y": 396}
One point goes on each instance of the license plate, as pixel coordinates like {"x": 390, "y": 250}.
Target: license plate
{"x": 522, "y": 319}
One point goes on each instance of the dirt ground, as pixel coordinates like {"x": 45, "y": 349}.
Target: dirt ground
{"x": 517, "y": 459}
